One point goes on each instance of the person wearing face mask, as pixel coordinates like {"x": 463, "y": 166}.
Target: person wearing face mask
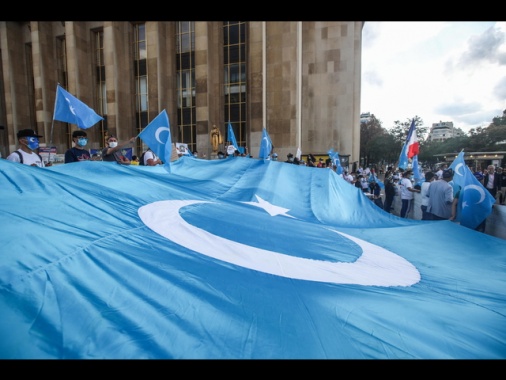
{"x": 28, "y": 144}
{"x": 112, "y": 152}
{"x": 78, "y": 152}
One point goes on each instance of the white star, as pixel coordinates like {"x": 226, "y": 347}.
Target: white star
{"x": 269, "y": 207}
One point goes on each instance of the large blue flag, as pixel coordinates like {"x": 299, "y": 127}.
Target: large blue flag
{"x": 231, "y": 136}
{"x": 69, "y": 109}
{"x": 265, "y": 145}
{"x": 234, "y": 259}
{"x": 157, "y": 136}
{"x": 475, "y": 201}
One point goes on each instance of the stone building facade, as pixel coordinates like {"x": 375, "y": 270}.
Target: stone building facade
{"x": 299, "y": 80}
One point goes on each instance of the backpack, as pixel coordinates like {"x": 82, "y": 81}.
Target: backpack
{"x": 141, "y": 160}
{"x": 21, "y": 156}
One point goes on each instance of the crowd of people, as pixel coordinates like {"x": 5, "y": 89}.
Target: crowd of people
{"x": 439, "y": 194}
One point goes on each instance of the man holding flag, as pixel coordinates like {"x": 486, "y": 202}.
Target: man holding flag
{"x": 157, "y": 137}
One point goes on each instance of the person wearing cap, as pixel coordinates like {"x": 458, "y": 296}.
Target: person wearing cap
{"x": 28, "y": 144}
{"x": 440, "y": 196}
{"x": 274, "y": 156}
{"x": 78, "y": 152}
{"x": 112, "y": 152}
{"x": 289, "y": 158}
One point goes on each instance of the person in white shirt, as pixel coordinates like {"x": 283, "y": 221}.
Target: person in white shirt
{"x": 439, "y": 173}
{"x": 150, "y": 158}
{"x": 230, "y": 149}
{"x": 28, "y": 144}
{"x": 348, "y": 177}
{"x": 407, "y": 191}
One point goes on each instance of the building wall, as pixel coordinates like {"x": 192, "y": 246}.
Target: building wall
{"x": 303, "y": 81}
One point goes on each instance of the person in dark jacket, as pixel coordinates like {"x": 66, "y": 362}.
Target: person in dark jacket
{"x": 390, "y": 192}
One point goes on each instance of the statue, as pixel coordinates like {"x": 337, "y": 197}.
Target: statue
{"x": 216, "y": 138}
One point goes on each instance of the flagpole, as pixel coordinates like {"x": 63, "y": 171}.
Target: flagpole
{"x": 52, "y": 123}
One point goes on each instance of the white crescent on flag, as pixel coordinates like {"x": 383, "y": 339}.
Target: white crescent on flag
{"x": 376, "y": 267}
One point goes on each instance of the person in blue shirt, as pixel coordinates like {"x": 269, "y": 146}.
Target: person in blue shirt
{"x": 79, "y": 152}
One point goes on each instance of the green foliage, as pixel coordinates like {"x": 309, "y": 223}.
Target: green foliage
{"x": 378, "y": 144}
{"x": 372, "y": 139}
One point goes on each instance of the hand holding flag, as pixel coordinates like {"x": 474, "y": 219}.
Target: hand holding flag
{"x": 69, "y": 109}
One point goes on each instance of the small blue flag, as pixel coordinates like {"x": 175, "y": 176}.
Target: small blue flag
{"x": 265, "y": 145}
{"x": 475, "y": 201}
{"x": 154, "y": 137}
{"x": 231, "y": 136}
{"x": 334, "y": 156}
{"x": 403, "y": 158}
{"x": 69, "y": 109}
{"x": 419, "y": 178}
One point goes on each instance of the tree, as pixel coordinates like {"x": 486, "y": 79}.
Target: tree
{"x": 378, "y": 144}
{"x": 400, "y": 130}
{"x": 370, "y": 130}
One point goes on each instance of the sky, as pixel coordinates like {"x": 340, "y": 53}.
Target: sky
{"x": 440, "y": 71}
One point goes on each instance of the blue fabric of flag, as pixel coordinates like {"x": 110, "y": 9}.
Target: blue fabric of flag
{"x": 157, "y": 136}
{"x": 235, "y": 259}
{"x": 403, "y": 158}
{"x": 475, "y": 201}
{"x": 265, "y": 145}
{"x": 417, "y": 171}
{"x": 231, "y": 136}
{"x": 375, "y": 178}
{"x": 334, "y": 156}
{"x": 69, "y": 109}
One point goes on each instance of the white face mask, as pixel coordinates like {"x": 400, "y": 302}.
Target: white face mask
{"x": 113, "y": 144}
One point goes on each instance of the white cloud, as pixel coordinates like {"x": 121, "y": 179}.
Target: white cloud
{"x": 439, "y": 71}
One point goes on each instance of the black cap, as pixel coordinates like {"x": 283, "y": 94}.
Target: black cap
{"x": 27, "y": 133}
{"x": 79, "y": 133}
